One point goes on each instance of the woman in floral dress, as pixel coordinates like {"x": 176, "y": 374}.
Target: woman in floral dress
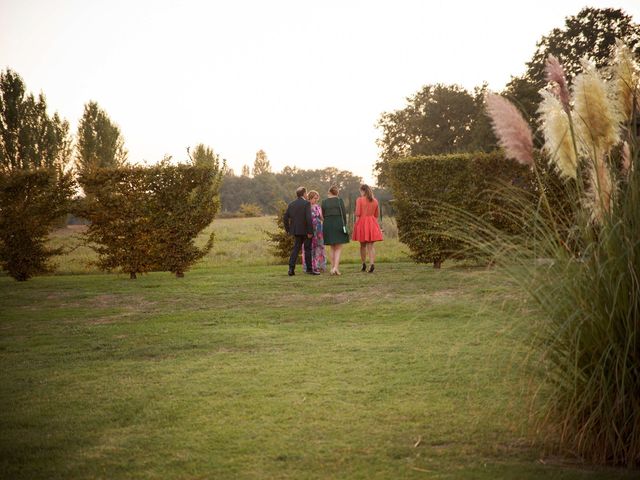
{"x": 318, "y": 260}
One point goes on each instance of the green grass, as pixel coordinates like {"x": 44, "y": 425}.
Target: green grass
{"x": 238, "y": 371}
{"x": 239, "y": 241}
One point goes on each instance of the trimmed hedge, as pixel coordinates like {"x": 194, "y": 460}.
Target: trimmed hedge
{"x": 464, "y": 181}
{"x": 32, "y": 202}
{"x": 147, "y": 218}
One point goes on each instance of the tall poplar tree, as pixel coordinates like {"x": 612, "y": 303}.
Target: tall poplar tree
{"x": 261, "y": 164}
{"x": 99, "y": 141}
{"x": 29, "y": 137}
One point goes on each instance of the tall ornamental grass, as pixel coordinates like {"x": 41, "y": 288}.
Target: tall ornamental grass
{"x": 581, "y": 267}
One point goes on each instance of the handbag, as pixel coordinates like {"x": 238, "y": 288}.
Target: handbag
{"x": 344, "y": 227}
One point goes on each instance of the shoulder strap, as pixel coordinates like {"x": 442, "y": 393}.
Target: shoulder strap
{"x": 341, "y": 212}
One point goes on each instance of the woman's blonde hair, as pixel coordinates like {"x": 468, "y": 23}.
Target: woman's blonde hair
{"x": 334, "y": 190}
{"x": 367, "y": 191}
{"x": 313, "y": 194}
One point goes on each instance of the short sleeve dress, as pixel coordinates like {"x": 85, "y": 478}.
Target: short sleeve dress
{"x": 366, "y": 228}
{"x": 335, "y": 218}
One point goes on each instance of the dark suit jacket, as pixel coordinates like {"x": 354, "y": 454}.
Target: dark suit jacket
{"x": 297, "y": 218}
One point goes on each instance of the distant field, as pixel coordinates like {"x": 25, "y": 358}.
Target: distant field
{"x": 239, "y": 241}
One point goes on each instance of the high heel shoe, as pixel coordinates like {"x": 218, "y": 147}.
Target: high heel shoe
{"x": 371, "y": 268}
{"x": 364, "y": 267}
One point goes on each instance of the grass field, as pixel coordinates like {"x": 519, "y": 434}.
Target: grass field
{"x": 238, "y": 371}
{"x": 239, "y": 241}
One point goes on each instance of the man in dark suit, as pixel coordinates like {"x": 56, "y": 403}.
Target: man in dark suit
{"x": 298, "y": 222}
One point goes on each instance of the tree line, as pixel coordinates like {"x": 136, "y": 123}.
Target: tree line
{"x": 446, "y": 119}
{"x": 142, "y": 218}
{"x": 266, "y": 189}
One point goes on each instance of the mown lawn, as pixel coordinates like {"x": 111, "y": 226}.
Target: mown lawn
{"x": 239, "y": 371}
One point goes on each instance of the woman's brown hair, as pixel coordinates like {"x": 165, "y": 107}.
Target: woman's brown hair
{"x": 334, "y": 190}
{"x": 367, "y": 191}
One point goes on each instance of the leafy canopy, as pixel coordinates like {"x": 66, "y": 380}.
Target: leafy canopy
{"x": 591, "y": 33}
{"x": 100, "y": 144}
{"x": 29, "y": 137}
{"x": 438, "y": 119}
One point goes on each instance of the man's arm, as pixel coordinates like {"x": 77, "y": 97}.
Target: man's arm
{"x": 307, "y": 212}
{"x": 286, "y": 219}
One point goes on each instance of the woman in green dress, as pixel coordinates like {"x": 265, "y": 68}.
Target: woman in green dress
{"x": 335, "y": 227}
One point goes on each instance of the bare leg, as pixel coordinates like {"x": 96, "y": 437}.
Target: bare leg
{"x": 332, "y": 258}
{"x": 371, "y": 250}
{"x": 363, "y": 252}
{"x": 337, "y": 258}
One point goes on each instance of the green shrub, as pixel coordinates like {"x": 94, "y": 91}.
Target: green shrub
{"x": 420, "y": 185}
{"x": 281, "y": 241}
{"x": 249, "y": 210}
{"x": 147, "y": 218}
{"x": 184, "y": 201}
{"x": 32, "y": 202}
{"x": 120, "y": 231}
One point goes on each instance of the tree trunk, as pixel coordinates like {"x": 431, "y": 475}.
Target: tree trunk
{"x": 437, "y": 263}
{"x": 179, "y": 274}
{"x": 132, "y": 275}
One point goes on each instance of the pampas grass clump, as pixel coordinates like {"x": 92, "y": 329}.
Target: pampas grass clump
{"x": 588, "y": 287}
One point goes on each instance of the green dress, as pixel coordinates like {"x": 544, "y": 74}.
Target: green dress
{"x": 334, "y": 219}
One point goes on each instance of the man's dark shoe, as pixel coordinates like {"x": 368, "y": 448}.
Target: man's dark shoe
{"x": 372, "y": 268}
{"x": 313, "y": 272}
{"x": 291, "y": 272}
{"x": 364, "y": 267}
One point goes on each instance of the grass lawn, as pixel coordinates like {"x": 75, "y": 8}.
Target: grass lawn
{"x": 238, "y": 371}
{"x": 239, "y": 241}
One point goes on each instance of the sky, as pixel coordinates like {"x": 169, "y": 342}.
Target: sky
{"x": 304, "y": 81}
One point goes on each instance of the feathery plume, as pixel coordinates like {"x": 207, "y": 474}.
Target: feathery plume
{"x": 512, "y": 130}
{"x": 597, "y": 118}
{"x": 626, "y": 79}
{"x": 600, "y": 194}
{"x": 626, "y": 159}
{"x": 555, "y": 74}
{"x": 557, "y": 135}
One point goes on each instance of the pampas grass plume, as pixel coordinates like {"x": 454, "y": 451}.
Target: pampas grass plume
{"x": 626, "y": 79}
{"x": 557, "y": 135}
{"x": 596, "y": 118}
{"x": 512, "y": 130}
{"x": 555, "y": 74}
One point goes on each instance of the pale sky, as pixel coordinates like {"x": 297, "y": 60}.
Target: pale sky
{"x": 306, "y": 82}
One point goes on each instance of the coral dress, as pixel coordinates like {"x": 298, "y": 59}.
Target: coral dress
{"x": 366, "y": 228}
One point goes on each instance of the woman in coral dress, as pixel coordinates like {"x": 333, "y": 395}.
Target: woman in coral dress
{"x": 366, "y": 229}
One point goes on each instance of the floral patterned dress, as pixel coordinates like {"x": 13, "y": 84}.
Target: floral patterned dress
{"x": 318, "y": 259}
